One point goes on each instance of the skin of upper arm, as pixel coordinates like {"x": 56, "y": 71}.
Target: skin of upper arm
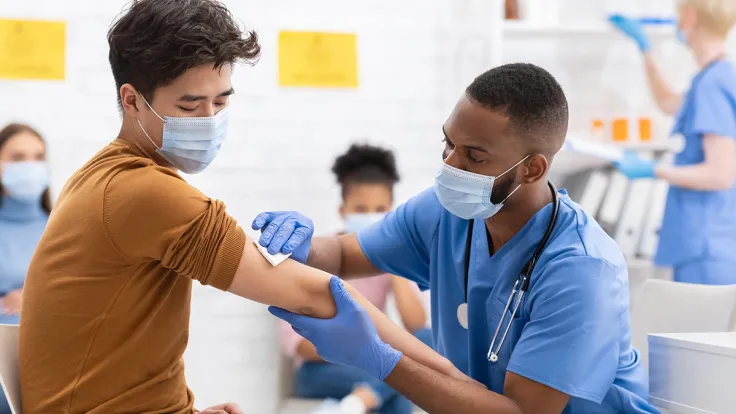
{"x": 720, "y": 157}
{"x": 533, "y": 397}
{"x": 290, "y": 285}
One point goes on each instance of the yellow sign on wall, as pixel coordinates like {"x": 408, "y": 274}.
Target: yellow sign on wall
{"x": 32, "y": 49}
{"x": 318, "y": 60}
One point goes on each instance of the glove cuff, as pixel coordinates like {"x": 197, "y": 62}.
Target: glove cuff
{"x": 380, "y": 359}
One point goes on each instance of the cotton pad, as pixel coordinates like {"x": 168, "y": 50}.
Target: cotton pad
{"x": 274, "y": 259}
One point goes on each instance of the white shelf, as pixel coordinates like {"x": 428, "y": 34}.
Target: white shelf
{"x": 521, "y": 28}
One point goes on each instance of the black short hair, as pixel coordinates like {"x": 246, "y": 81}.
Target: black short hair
{"x": 156, "y": 41}
{"x": 532, "y": 99}
{"x": 365, "y": 164}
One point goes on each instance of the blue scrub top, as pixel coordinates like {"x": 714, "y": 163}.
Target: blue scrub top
{"x": 572, "y": 330}
{"x": 701, "y": 225}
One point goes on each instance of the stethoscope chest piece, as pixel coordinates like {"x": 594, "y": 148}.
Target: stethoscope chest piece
{"x": 462, "y": 315}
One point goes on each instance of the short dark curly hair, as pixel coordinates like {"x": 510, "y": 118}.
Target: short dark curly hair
{"x": 156, "y": 41}
{"x": 532, "y": 99}
{"x": 365, "y": 164}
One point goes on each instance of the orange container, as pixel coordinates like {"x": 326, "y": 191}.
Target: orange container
{"x": 620, "y": 129}
{"x": 645, "y": 129}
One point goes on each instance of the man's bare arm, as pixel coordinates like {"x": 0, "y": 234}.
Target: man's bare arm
{"x": 306, "y": 290}
{"x": 341, "y": 256}
{"x": 438, "y": 394}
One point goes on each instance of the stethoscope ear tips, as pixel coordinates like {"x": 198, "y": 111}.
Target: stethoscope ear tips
{"x": 493, "y": 357}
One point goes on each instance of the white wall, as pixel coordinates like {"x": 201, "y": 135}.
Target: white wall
{"x": 415, "y": 58}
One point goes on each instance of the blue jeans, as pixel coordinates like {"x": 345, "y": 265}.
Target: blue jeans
{"x": 325, "y": 380}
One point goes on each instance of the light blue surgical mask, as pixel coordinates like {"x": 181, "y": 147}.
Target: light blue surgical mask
{"x": 358, "y": 221}
{"x": 190, "y": 144}
{"x": 466, "y": 194}
{"x": 25, "y": 181}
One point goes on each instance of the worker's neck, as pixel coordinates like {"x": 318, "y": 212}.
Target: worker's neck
{"x": 708, "y": 48}
{"x": 517, "y": 211}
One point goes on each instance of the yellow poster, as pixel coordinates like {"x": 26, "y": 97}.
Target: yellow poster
{"x": 32, "y": 49}
{"x": 318, "y": 60}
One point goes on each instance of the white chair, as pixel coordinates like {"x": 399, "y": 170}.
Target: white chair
{"x": 671, "y": 307}
{"x": 9, "y": 366}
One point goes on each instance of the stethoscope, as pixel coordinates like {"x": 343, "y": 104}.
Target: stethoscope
{"x": 521, "y": 285}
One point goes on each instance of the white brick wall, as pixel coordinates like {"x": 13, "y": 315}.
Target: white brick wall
{"x": 415, "y": 58}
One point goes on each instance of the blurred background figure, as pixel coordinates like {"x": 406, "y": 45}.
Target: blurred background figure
{"x": 698, "y": 233}
{"x": 366, "y": 175}
{"x": 24, "y": 209}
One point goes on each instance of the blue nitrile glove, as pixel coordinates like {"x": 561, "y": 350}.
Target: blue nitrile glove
{"x": 350, "y": 338}
{"x": 632, "y": 29}
{"x": 634, "y": 167}
{"x": 285, "y": 232}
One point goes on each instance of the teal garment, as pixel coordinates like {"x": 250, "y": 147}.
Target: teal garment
{"x": 699, "y": 227}
{"x": 21, "y": 226}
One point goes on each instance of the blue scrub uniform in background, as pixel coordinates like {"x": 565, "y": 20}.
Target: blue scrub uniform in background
{"x": 572, "y": 330}
{"x": 698, "y": 234}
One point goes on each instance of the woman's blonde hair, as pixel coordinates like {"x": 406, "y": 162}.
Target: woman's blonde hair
{"x": 718, "y": 16}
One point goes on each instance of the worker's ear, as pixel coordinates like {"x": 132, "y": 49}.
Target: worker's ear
{"x": 341, "y": 210}
{"x": 536, "y": 167}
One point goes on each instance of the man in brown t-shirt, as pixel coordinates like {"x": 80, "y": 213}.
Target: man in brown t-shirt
{"x": 106, "y": 303}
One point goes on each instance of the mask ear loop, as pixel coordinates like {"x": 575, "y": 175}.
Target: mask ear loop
{"x": 518, "y": 186}
{"x": 141, "y": 125}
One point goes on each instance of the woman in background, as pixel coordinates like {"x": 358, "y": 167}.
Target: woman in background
{"x": 698, "y": 234}
{"x": 367, "y": 176}
{"x": 24, "y": 209}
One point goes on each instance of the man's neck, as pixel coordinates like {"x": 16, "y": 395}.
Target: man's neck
{"x": 131, "y": 133}
{"x": 512, "y": 217}
{"x": 708, "y": 49}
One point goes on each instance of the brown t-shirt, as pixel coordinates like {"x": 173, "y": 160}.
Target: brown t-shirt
{"x": 105, "y": 316}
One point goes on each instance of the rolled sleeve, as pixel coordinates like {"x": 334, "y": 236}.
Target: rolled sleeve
{"x": 572, "y": 340}
{"x": 400, "y": 243}
{"x": 153, "y": 215}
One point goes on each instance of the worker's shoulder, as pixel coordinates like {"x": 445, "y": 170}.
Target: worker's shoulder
{"x": 580, "y": 238}
{"x": 721, "y": 76}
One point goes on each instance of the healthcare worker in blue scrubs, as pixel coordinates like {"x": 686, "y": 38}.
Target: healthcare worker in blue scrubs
{"x": 698, "y": 234}
{"x": 566, "y": 348}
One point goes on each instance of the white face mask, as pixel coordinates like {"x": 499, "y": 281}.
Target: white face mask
{"x": 358, "y": 221}
{"x": 466, "y": 194}
{"x": 190, "y": 144}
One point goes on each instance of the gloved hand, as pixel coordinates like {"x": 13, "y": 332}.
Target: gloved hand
{"x": 632, "y": 29}
{"x": 285, "y": 232}
{"x": 634, "y": 167}
{"x": 350, "y": 338}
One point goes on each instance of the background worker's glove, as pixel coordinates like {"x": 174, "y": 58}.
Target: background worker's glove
{"x": 350, "y": 338}
{"x": 634, "y": 167}
{"x": 631, "y": 28}
{"x": 287, "y": 232}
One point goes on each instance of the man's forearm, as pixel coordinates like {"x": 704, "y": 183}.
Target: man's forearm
{"x": 403, "y": 341}
{"x": 440, "y": 394}
{"x": 341, "y": 256}
{"x": 326, "y": 254}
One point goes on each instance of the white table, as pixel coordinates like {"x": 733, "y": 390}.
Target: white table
{"x": 693, "y": 373}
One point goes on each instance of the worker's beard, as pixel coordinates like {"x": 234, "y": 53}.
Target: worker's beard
{"x": 501, "y": 190}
